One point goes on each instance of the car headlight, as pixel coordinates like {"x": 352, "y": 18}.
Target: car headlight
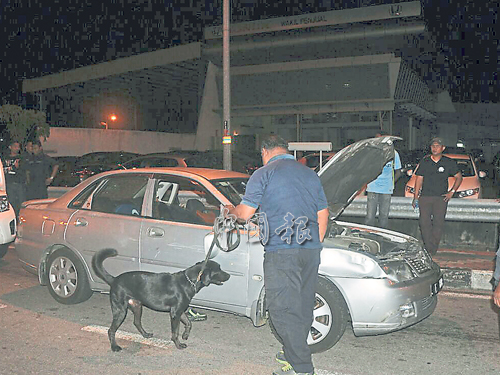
{"x": 397, "y": 271}
{"x": 4, "y": 203}
{"x": 467, "y": 193}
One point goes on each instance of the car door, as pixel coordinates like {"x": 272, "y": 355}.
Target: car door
{"x": 172, "y": 239}
{"x": 109, "y": 215}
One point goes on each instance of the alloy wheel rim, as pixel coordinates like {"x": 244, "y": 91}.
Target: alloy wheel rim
{"x": 63, "y": 277}
{"x": 322, "y": 321}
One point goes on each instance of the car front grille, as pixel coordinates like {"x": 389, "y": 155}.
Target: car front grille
{"x": 419, "y": 265}
{"x": 426, "y": 302}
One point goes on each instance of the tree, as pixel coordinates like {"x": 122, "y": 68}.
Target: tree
{"x": 24, "y": 124}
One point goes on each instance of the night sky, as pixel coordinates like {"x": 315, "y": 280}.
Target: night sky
{"x": 42, "y": 37}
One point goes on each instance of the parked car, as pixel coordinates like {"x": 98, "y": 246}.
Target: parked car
{"x": 160, "y": 220}
{"x": 158, "y": 159}
{"x": 470, "y": 187}
{"x": 241, "y": 162}
{"x": 104, "y": 157}
{"x": 7, "y": 217}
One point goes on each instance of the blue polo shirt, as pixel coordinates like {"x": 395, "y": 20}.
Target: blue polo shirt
{"x": 289, "y": 196}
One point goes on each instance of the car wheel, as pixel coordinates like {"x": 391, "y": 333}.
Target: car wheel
{"x": 3, "y": 249}
{"x": 68, "y": 282}
{"x": 330, "y": 318}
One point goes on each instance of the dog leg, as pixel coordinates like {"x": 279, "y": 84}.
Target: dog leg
{"x": 136, "y": 308}
{"x": 187, "y": 326}
{"x": 174, "y": 324}
{"x": 119, "y": 314}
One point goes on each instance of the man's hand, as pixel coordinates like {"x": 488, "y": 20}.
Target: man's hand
{"x": 496, "y": 296}
{"x": 448, "y": 195}
{"x": 49, "y": 180}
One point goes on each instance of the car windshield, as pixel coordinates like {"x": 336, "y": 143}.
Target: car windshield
{"x": 465, "y": 166}
{"x": 233, "y": 189}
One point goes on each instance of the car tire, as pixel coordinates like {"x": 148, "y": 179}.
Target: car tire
{"x": 67, "y": 279}
{"x": 3, "y": 249}
{"x": 330, "y": 318}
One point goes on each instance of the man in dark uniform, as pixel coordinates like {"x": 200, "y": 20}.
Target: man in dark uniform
{"x": 41, "y": 170}
{"x": 15, "y": 176}
{"x": 294, "y": 214}
{"x": 432, "y": 176}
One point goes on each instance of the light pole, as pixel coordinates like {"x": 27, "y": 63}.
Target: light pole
{"x": 226, "y": 154}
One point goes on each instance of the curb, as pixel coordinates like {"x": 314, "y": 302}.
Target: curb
{"x": 462, "y": 278}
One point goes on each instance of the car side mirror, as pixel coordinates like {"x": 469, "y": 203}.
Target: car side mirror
{"x": 409, "y": 172}
{"x": 482, "y": 174}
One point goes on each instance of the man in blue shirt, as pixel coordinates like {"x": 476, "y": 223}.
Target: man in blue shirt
{"x": 380, "y": 190}
{"x": 293, "y": 218}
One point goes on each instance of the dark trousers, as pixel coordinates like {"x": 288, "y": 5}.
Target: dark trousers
{"x": 16, "y": 192}
{"x": 432, "y": 213}
{"x": 290, "y": 278}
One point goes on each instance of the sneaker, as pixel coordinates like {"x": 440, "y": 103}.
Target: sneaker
{"x": 288, "y": 370}
{"x": 280, "y": 358}
{"x": 195, "y": 316}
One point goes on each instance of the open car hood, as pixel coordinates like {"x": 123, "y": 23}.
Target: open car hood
{"x": 353, "y": 167}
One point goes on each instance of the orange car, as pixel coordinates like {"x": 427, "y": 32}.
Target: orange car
{"x": 470, "y": 187}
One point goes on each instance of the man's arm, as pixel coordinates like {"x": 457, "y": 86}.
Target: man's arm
{"x": 323, "y": 222}
{"x": 418, "y": 185}
{"x": 456, "y": 184}
{"x": 242, "y": 211}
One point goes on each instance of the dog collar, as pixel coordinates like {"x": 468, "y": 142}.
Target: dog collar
{"x": 190, "y": 282}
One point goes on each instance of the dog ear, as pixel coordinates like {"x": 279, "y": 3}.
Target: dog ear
{"x": 206, "y": 277}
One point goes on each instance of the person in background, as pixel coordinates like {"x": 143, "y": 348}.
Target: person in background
{"x": 432, "y": 177}
{"x": 41, "y": 170}
{"x": 380, "y": 190}
{"x": 28, "y": 149}
{"x": 15, "y": 176}
{"x": 496, "y": 280}
{"x": 294, "y": 214}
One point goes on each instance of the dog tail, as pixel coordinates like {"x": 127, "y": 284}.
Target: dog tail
{"x": 97, "y": 261}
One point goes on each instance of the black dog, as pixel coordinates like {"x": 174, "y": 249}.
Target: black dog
{"x": 157, "y": 291}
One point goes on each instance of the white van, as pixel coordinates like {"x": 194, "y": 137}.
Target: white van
{"x": 7, "y": 217}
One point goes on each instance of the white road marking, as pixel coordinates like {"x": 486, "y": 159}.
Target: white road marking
{"x": 2, "y": 306}
{"x": 324, "y": 372}
{"x": 159, "y": 343}
{"x": 466, "y": 295}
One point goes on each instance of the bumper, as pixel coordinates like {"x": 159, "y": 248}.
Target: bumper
{"x": 7, "y": 226}
{"x": 385, "y": 308}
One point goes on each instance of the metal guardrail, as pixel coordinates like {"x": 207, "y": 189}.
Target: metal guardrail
{"x": 470, "y": 210}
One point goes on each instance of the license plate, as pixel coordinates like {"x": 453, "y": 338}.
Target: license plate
{"x": 437, "y": 286}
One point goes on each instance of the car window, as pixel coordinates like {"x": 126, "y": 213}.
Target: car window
{"x": 183, "y": 200}
{"x": 233, "y": 189}
{"x": 159, "y": 162}
{"x": 118, "y": 194}
{"x": 465, "y": 166}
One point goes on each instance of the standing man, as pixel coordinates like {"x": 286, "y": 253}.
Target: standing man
{"x": 15, "y": 176}
{"x": 294, "y": 215}
{"x": 432, "y": 176}
{"x": 41, "y": 171}
{"x": 380, "y": 190}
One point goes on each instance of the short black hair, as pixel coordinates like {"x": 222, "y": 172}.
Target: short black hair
{"x": 37, "y": 143}
{"x": 273, "y": 141}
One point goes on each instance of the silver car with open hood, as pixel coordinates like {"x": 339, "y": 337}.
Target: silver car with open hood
{"x": 162, "y": 220}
